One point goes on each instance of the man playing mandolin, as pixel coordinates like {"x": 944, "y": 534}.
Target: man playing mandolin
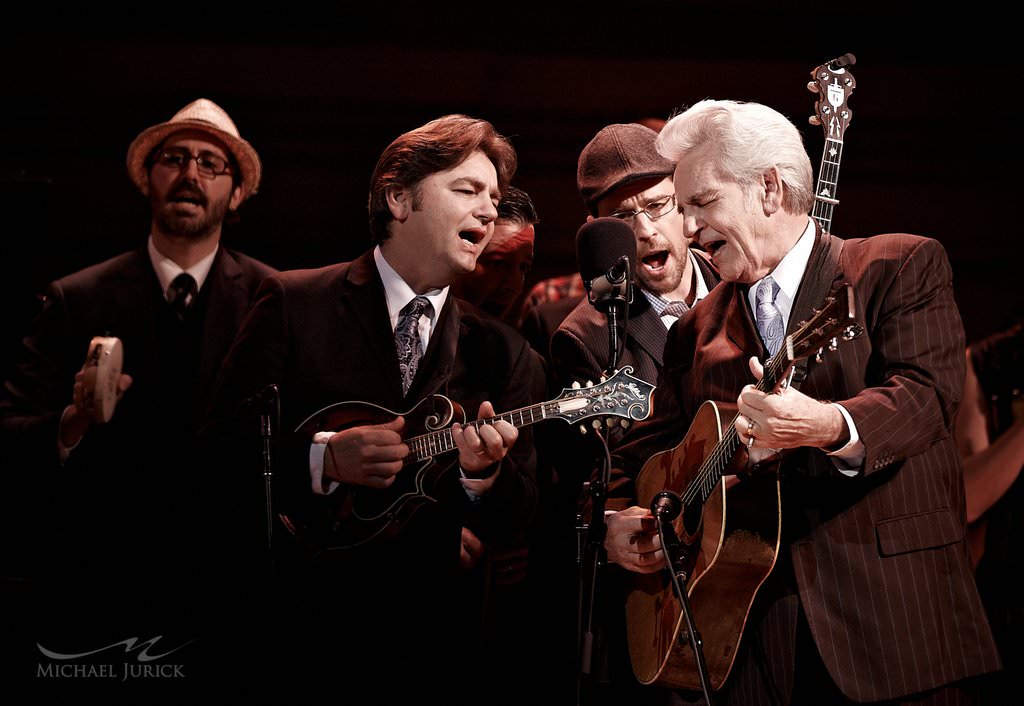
{"x": 868, "y": 595}
{"x": 376, "y": 609}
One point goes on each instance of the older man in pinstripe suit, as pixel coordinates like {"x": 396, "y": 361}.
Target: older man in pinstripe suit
{"x": 871, "y": 598}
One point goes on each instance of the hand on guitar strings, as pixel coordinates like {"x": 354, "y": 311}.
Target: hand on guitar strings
{"x": 484, "y": 446}
{"x": 785, "y": 419}
{"x": 370, "y": 455}
{"x": 632, "y": 540}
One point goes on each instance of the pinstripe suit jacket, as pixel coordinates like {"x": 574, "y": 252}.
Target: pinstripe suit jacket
{"x": 879, "y": 560}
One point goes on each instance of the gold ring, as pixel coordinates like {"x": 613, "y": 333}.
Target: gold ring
{"x": 750, "y": 440}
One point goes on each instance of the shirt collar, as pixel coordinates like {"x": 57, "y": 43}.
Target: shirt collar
{"x": 789, "y": 272}
{"x": 398, "y": 293}
{"x": 167, "y": 269}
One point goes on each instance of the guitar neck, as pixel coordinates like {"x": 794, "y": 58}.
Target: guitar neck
{"x": 828, "y": 180}
{"x": 426, "y": 446}
{"x": 711, "y": 471}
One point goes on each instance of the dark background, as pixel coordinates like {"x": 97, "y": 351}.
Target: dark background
{"x": 931, "y": 148}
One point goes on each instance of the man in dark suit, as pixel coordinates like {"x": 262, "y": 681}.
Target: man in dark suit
{"x": 620, "y": 174}
{"x": 124, "y": 509}
{"x": 383, "y": 617}
{"x": 871, "y": 597}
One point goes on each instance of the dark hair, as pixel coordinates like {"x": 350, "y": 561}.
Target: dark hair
{"x": 516, "y": 205}
{"x": 439, "y": 145}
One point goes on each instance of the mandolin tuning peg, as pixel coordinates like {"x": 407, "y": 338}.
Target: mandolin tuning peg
{"x": 575, "y": 384}
{"x": 583, "y": 429}
{"x": 817, "y": 356}
{"x": 814, "y": 120}
{"x": 596, "y": 423}
{"x": 624, "y": 423}
{"x": 590, "y": 383}
{"x": 833, "y": 344}
{"x": 813, "y": 87}
{"x": 604, "y": 378}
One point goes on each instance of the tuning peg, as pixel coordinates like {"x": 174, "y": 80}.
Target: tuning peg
{"x": 624, "y": 423}
{"x": 813, "y": 87}
{"x": 833, "y": 344}
{"x": 817, "y": 356}
{"x": 814, "y": 120}
{"x": 590, "y": 383}
{"x": 575, "y": 384}
{"x": 583, "y": 429}
{"x": 596, "y": 423}
{"x": 603, "y": 378}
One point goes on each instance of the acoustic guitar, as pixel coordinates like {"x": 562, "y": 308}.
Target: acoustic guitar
{"x": 736, "y": 532}
{"x": 355, "y": 516}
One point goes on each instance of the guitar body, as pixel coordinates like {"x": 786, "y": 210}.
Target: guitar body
{"x": 737, "y": 531}
{"x": 348, "y": 519}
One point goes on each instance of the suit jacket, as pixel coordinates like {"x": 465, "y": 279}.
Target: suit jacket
{"x": 323, "y": 336}
{"x": 879, "y": 560}
{"x": 124, "y": 514}
{"x": 579, "y": 348}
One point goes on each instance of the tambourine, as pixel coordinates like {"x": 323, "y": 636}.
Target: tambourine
{"x": 106, "y": 354}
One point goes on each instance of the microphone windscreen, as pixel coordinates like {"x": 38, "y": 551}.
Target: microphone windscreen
{"x": 601, "y": 243}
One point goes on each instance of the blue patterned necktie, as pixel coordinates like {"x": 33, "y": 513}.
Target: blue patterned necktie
{"x": 407, "y": 339}
{"x": 768, "y": 316}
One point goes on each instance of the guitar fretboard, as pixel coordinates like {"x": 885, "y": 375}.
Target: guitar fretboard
{"x": 825, "y": 194}
{"x": 710, "y": 472}
{"x": 426, "y": 446}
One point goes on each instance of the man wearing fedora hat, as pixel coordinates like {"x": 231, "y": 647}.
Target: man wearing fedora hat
{"x": 125, "y": 530}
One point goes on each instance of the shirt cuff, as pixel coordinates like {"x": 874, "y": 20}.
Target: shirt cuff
{"x": 316, "y": 464}
{"x": 849, "y": 459}
{"x": 476, "y": 488}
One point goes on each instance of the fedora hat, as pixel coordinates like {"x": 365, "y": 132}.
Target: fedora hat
{"x": 206, "y": 116}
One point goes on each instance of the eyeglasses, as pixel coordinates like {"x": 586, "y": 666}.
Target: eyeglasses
{"x": 209, "y": 164}
{"x": 654, "y": 210}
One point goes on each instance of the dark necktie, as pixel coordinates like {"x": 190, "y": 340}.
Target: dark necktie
{"x": 768, "y": 316}
{"x": 180, "y": 293}
{"x": 407, "y": 339}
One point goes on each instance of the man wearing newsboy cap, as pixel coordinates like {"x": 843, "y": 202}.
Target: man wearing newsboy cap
{"x": 124, "y": 524}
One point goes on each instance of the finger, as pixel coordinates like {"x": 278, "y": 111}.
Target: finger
{"x": 508, "y": 433}
{"x": 756, "y": 368}
{"x": 486, "y": 411}
{"x": 396, "y": 425}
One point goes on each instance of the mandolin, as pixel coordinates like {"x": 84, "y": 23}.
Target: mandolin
{"x": 355, "y": 516}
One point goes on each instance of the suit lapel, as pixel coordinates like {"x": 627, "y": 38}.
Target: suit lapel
{"x": 369, "y": 308}
{"x": 227, "y": 300}
{"x": 134, "y": 299}
{"x": 649, "y": 332}
{"x": 739, "y": 323}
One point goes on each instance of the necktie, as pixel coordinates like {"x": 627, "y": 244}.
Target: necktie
{"x": 768, "y": 316}
{"x": 675, "y": 308}
{"x": 180, "y": 294}
{"x": 407, "y": 339}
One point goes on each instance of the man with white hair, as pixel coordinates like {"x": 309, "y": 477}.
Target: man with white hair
{"x": 870, "y": 597}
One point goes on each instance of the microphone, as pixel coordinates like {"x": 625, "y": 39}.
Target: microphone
{"x": 605, "y": 251}
{"x": 264, "y": 402}
{"x": 666, "y": 506}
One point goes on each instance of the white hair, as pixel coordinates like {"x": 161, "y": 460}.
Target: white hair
{"x": 749, "y": 140}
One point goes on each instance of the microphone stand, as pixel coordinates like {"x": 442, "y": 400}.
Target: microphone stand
{"x": 590, "y": 558}
{"x": 270, "y": 413}
{"x": 680, "y": 562}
